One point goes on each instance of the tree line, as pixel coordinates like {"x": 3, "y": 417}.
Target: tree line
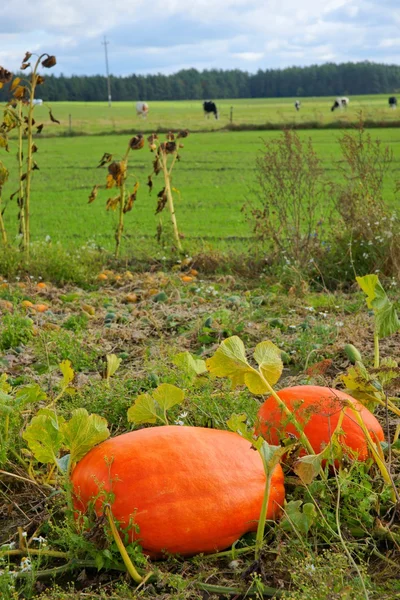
{"x": 329, "y": 79}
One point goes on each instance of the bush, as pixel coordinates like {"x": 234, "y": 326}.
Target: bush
{"x": 290, "y": 201}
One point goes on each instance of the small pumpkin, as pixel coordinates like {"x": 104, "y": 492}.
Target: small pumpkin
{"x": 318, "y": 409}
{"x": 189, "y": 489}
{"x": 41, "y": 307}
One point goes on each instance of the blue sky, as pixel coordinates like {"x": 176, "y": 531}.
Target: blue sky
{"x": 168, "y": 35}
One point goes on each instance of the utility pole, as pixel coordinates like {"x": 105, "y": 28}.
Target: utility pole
{"x": 105, "y": 44}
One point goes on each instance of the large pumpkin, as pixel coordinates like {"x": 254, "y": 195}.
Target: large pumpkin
{"x": 189, "y": 489}
{"x": 318, "y": 410}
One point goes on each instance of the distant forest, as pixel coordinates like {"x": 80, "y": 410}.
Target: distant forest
{"x": 189, "y": 84}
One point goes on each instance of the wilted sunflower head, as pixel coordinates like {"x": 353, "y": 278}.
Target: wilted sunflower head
{"x": 49, "y": 62}
{"x": 137, "y": 142}
{"x": 5, "y": 76}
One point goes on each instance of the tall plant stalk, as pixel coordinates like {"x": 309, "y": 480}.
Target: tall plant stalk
{"x": 170, "y": 200}
{"x": 29, "y": 158}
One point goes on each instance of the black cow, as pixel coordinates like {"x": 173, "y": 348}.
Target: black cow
{"x": 393, "y": 102}
{"x": 209, "y": 108}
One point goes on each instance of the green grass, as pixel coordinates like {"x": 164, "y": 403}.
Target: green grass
{"x": 98, "y": 117}
{"x": 215, "y": 177}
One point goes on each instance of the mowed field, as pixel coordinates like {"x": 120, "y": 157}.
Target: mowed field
{"x": 98, "y": 117}
{"x": 215, "y": 176}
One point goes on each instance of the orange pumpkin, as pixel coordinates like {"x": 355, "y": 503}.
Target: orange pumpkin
{"x": 318, "y": 409}
{"x": 40, "y": 307}
{"x": 189, "y": 489}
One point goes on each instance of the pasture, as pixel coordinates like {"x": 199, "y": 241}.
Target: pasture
{"x": 97, "y": 117}
{"x": 215, "y": 179}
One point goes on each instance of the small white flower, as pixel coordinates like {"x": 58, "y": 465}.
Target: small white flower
{"x": 339, "y": 323}
{"x": 24, "y": 534}
{"x": 47, "y": 239}
{"x": 26, "y": 565}
{"x": 40, "y": 540}
{"x": 179, "y": 422}
{"x": 309, "y": 308}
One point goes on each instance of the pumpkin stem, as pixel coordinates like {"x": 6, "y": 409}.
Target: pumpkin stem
{"x": 125, "y": 556}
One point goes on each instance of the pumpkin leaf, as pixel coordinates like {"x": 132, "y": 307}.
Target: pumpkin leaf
{"x": 82, "y": 432}
{"x": 44, "y": 435}
{"x": 298, "y": 519}
{"x": 271, "y": 455}
{"x": 113, "y": 363}
{"x": 230, "y": 361}
{"x": 360, "y": 384}
{"x": 386, "y": 319}
{"x": 189, "y": 364}
{"x": 150, "y": 408}
{"x": 63, "y": 462}
{"x": 29, "y": 394}
{"x": 268, "y": 357}
{"x": 168, "y": 395}
{"x": 144, "y": 410}
{"x": 68, "y": 373}
{"x": 308, "y": 467}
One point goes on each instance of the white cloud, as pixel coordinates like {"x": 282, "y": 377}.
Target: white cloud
{"x": 166, "y": 35}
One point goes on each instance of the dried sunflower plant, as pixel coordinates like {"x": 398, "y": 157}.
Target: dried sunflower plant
{"x": 19, "y": 115}
{"x": 166, "y": 157}
{"x": 116, "y": 178}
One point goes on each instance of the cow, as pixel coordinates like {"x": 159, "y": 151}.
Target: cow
{"x": 209, "y": 108}
{"x": 340, "y": 103}
{"x": 142, "y": 109}
{"x": 297, "y": 104}
{"x": 37, "y": 102}
{"x": 392, "y": 102}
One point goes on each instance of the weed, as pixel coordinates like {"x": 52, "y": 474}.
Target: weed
{"x": 15, "y": 330}
{"x": 291, "y": 190}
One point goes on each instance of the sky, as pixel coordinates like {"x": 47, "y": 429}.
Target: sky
{"x": 164, "y": 36}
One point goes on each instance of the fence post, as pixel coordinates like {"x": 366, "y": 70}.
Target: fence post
{"x": 70, "y": 124}
{"x": 231, "y": 115}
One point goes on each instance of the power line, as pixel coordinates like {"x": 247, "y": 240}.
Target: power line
{"x": 105, "y": 44}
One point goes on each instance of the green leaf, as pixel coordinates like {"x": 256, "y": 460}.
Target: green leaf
{"x": 29, "y": 394}
{"x": 230, "y": 361}
{"x": 387, "y": 371}
{"x": 144, "y": 410}
{"x": 189, "y": 364}
{"x": 113, "y": 363}
{"x": 167, "y": 396}
{"x": 297, "y": 519}
{"x": 68, "y": 373}
{"x": 82, "y": 432}
{"x": 308, "y": 467}
{"x": 63, "y": 462}
{"x": 268, "y": 357}
{"x": 386, "y": 319}
{"x": 4, "y": 385}
{"x": 360, "y": 384}
{"x": 271, "y": 455}
{"x": 44, "y": 435}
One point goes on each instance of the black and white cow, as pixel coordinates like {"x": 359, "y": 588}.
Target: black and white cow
{"x": 297, "y": 104}
{"x": 392, "y": 102}
{"x": 209, "y": 108}
{"x": 340, "y": 103}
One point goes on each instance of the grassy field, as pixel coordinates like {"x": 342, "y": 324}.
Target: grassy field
{"x": 215, "y": 178}
{"x": 98, "y": 117}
